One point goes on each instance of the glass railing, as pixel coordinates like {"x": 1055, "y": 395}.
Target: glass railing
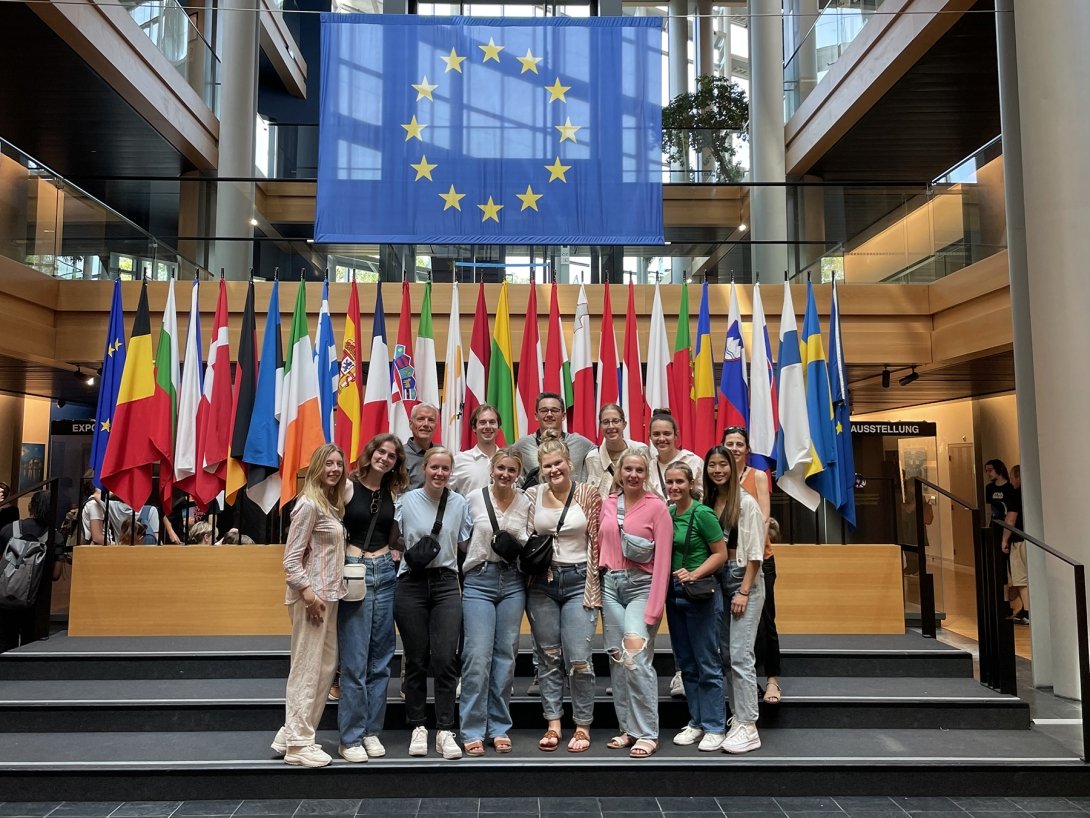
{"x": 169, "y": 26}
{"x": 49, "y": 224}
{"x": 817, "y": 48}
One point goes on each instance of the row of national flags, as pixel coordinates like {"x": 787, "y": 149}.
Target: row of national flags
{"x": 212, "y": 432}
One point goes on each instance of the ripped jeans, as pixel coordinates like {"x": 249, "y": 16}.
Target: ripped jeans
{"x": 563, "y": 630}
{"x": 635, "y": 683}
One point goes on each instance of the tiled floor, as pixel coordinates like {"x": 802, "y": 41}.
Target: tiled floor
{"x": 743, "y": 806}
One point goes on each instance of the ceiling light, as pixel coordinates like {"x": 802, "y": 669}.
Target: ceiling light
{"x": 885, "y": 379}
{"x": 910, "y": 377}
{"x": 253, "y": 222}
{"x": 743, "y": 227}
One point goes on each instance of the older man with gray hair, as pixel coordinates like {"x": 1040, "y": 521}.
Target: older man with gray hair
{"x": 422, "y": 422}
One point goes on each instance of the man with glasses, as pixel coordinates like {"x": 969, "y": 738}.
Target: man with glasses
{"x": 549, "y": 411}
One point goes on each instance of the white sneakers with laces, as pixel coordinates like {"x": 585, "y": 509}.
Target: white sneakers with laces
{"x": 689, "y": 736}
{"x": 357, "y": 754}
{"x": 280, "y": 743}
{"x": 374, "y": 747}
{"x": 446, "y": 745}
{"x": 418, "y": 744}
{"x": 309, "y": 756}
{"x": 741, "y": 739}
{"x": 711, "y": 742}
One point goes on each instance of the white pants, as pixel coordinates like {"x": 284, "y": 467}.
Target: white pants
{"x": 313, "y": 665}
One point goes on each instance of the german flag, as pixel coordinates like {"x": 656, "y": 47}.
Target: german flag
{"x": 131, "y": 453}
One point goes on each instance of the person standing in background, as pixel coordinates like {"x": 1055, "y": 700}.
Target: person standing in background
{"x": 422, "y": 422}
{"x": 473, "y": 467}
{"x": 1018, "y": 576}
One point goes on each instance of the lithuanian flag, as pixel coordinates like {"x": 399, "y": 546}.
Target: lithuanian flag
{"x": 137, "y": 420}
{"x": 501, "y": 373}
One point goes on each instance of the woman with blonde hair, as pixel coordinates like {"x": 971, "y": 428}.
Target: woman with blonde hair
{"x": 743, "y": 594}
{"x": 365, "y": 629}
{"x": 636, "y": 536}
{"x": 562, "y": 603}
{"x": 493, "y": 601}
{"x": 313, "y": 565}
{"x": 434, "y": 521}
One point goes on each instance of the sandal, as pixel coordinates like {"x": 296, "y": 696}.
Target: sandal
{"x": 475, "y": 748}
{"x": 501, "y": 744}
{"x": 580, "y": 741}
{"x": 643, "y": 748}
{"x": 772, "y": 692}
{"x": 619, "y": 742}
{"x": 549, "y": 742}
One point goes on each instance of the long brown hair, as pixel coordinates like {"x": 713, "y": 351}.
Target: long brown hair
{"x": 329, "y": 500}
{"x": 731, "y": 493}
{"x": 396, "y": 480}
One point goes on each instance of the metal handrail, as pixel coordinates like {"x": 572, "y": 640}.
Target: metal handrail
{"x": 1081, "y": 626}
{"x": 928, "y": 621}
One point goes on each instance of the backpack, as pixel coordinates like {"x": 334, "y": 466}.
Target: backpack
{"x": 21, "y": 567}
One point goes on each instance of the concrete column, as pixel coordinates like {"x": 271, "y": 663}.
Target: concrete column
{"x": 238, "y": 111}
{"x": 768, "y": 205}
{"x": 678, "y": 57}
{"x": 705, "y": 62}
{"x": 806, "y": 14}
{"x": 1051, "y": 60}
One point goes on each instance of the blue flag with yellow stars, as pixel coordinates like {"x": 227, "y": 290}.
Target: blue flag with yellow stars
{"x": 463, "y": 130}
{"x": 113, "y": 365}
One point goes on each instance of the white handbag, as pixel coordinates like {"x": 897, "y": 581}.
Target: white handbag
{"x": 355, "y": 577}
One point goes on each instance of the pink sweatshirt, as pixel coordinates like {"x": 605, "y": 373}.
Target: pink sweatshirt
{"x": 648, "y": 518}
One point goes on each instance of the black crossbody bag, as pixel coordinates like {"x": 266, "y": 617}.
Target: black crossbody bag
{"x": 503, "y": 543}
{"x": 537, "y": 555}
{"x": 423, "y": 551}
{"x": 697, "y": 590}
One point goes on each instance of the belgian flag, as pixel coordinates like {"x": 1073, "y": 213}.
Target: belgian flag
{"x": 131, "y": 452}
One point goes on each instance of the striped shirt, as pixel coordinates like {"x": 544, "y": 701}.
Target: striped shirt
{"x": 314, "y": 553}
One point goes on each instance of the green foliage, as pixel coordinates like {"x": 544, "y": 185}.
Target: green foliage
{"x": 706, "y": 121}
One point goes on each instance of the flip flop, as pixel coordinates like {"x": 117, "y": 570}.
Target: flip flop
{"x": 619, "y": 742}
{"x": 580, "y": 735}
{"x": 549, "y": 742}
{"x": 643, "y": 748}
{"x": 501, "y": 744}
{"x": 772, "y": 693}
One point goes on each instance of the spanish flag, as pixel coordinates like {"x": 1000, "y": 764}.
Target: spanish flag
{"x": 350, "y": 384}
{"x": 131, "y": 454}
{"x": 501, "y": 373}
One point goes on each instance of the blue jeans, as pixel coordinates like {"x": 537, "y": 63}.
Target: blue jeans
{"x": 635, "y": 683}
{"x": 736, "y": 640}
{"x": 493, "y": 600}
{"x": 562, "y": 630}
{"x": 694, "y": 635}
{"x": 365, "y": 640}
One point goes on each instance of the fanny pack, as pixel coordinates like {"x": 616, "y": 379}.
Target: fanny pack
{"x": 537, "y": 555}
{"x": 503, "y": 543}
{"x": 635, "y": 549}
{"x": 427, "y": 548}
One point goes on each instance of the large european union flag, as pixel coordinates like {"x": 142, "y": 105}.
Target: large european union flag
{"x": 461, "y": 130}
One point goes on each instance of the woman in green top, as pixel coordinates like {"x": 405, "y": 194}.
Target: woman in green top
{"x": 699, "y": 552}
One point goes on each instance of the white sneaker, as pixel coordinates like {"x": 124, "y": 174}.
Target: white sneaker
{"x": 374, "y": 747}
{"x": 677, "y": 688}
{"x": 280, "y": 743}
{"x": 309, "y": 756}
{"x": 446, "y": 745}
{"x": 418, "y": 744}
{"x": 741, "y": 739}
{"x": 689, "y": 736}
{"x": 711, "y": 742}
{"x": 357, "y": 755}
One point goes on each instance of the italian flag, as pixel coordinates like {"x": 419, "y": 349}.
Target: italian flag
{"x": 501, "y": 374}
{"x": 300, "y": 416}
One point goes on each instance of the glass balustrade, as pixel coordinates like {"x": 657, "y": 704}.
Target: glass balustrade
{"x": 49, "y": 224}
{"x": 171, "y": 28}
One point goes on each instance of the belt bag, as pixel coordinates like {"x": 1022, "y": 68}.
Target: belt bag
{"x": 355, "y": 577}
{"x": 503, "y": 543}
{"x": 635, "y": 549}
{"x": 427, "y": 548}
{"x": 537, "y": 554}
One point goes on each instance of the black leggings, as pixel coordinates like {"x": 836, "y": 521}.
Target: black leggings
{"x": 767, "y": 647}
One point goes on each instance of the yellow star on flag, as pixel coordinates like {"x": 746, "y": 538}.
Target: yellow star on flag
{"x": 491, "y": 210}
{"x": 413, "y": 129}
{"x": 453, "y": 61}
{"x": 567, "y": 130}
{"x": 491, "y": 52}
{"x": 423, "y": 169}
{"x": 423, "y": 89}
{"x": 452, "y": 198}
{"x": 557, "y": 91}
{"x": 105, "y": 426}
{"x": 529, "y": 62}
{"x": 557, "y": 171}
{"x": 529, "y": 199}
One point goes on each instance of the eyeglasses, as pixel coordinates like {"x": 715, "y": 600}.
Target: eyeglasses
{"x": 550, "y": 410}
{"x": 612, "y": 422}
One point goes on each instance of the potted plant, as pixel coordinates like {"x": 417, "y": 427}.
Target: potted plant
{"x": 706, "y": 121}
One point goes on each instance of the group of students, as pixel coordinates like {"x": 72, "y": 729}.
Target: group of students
{"x": 554, "y": 528}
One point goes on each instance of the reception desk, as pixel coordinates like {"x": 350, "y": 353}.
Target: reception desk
{"x": 201, "y": 590}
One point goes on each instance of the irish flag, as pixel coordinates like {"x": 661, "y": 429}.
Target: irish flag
{"x": 300, "y": 416}
{"x": 501, "y": 373}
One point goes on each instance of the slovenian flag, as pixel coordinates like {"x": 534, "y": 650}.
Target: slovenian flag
{"x": 733, "y": 383}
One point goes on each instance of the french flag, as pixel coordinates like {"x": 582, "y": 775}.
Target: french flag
{"x": 733, "y": 383}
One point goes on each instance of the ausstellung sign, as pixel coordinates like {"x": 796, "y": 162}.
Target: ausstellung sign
{"x": 899, "y": 428}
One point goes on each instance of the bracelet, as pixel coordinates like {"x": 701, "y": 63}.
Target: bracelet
{"x": 743, "y": 593}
